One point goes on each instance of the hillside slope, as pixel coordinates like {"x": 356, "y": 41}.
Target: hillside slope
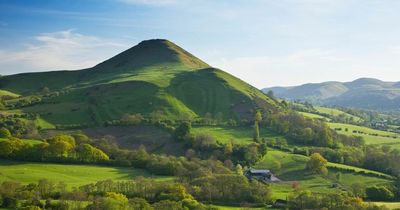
{"x": 363, "y": 93}
{"x": 156, "y": 76}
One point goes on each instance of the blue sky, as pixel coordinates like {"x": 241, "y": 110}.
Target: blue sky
{"x": 264, "y": 42}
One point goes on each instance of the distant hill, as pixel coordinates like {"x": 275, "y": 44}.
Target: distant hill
{"x": 363, "y": 93}
{"x": 154, "y": 77}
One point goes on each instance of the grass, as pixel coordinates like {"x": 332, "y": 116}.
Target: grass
{"x": 336, "y": 112}
{"x": 30, "y": 141}
{"x": 235, "y": 207}
{"x": 371, "y": 136}
{"x": 390, "y": 205}
{"x": 314, "y": 116}
{"x": 239, "y": 135}
{"x": 8, "y": 93}
{"x": 72, "y": 175}
{"x": 293, "y": 170}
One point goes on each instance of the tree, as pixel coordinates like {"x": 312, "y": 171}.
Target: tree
{"x": 228, "y": 149}
{"x": 139, "y": 204}
{"x": 358, "y": 190}
{"x": 6, "y": 148}
{"x": 338, "y": 176}
{"x": 317, "y": 164}
{"x": 111, "y": 201}
{"x": 88, "y": 153}
{"x": 380, "y": 193}
{"x": 182, "y": 130}
{"x": 239, "y": 169}
{"x": 60, "y": 148}
{"x": 257, "y": 120}
{"x": 4, "y": 133}
{"x": 132, "y": 119}
{"x": 168, "y": 205}
{"x": 45, "y": 188}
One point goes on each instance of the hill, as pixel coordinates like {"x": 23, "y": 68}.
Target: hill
{"x": 365, "y": 93}
{"x": 153, "y": 78}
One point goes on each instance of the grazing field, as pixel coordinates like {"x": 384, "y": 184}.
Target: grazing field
{"x": 292, "y": 171}
{"x": 314, "y": 116}
{"x": 236, "y": 208}
{"x": 371, "y": 136}
{"x": 390, "y": 205}
{"x": 72, "y": 175}
{"x": 31, "y": 141}
{"x": 239, "y": 135}
{"x": 336, "y": 112}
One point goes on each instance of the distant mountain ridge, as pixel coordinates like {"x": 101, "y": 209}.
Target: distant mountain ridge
{"x": 365, "y": 93}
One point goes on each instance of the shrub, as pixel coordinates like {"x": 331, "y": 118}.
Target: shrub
{"x": 4, "y": 133}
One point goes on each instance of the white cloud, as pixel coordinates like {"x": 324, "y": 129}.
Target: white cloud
{"x": 58, "y": 50}
{"x": 311, "y": 65}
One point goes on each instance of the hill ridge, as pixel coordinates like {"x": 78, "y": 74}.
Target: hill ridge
{"x": 365, "y": 93}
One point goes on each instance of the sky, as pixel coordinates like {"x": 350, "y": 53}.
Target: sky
{"x": 264, "y": 42}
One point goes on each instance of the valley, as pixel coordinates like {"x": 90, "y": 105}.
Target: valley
{"x": 156, "y": 126}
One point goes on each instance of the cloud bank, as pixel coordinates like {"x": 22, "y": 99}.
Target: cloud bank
{"x": 61, "y": 50}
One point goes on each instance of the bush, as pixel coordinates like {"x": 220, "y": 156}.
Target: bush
{"x": 4, "y": 133}
{"x": 379, "y": 193}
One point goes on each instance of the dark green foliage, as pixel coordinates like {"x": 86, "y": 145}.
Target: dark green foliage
{"x": 88, "y": 153}
{"x": 229, "y": 188}
{"x": 306, "y": 131}
{"x": 182, "y": 130}
{"x": 317, "y": 164}
{"x": 303, "y": 199}
{"x": 4, "y": 133}
{"x": 379, "y": 193}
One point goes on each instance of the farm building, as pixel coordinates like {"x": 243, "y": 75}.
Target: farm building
{"x": 261, "y": 175}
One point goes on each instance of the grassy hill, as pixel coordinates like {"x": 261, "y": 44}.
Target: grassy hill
{"x": 154, "y": 76}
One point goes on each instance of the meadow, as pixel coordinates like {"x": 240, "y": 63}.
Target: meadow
{"x": 72, "y": 175}
{"x": 292, "y": 171}
{"x": 336, "y": 113}
{"x": 371, "y": 136}
{"x": 314, "y": 116}
{"x": 239, "y": 135}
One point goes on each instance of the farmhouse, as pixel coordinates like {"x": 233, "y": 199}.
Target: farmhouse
{"x": 261, "y": 175}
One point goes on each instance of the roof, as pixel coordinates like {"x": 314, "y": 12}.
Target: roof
{"x": 260, "y": 171}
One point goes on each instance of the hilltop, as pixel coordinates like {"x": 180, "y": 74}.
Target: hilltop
{"x": 365, "y": 93}
{"x": 155, "y": 77}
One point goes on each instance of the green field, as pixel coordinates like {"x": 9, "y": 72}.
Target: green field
{"x": 239, "y": 135}
{"x": 314, "y": 116}
{"x": 293, "y": 170}
{"x": 336, "y": 112}
{"x": 236, "y": 208}
{"x": 30, "y": 141}
{"x": 390, "y": 205}
{"x": 72, "y": 175}
{"x": 371, "y": 136}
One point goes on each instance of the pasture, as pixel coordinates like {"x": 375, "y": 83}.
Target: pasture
{"x": 292, "y": 171}
{"x": 336, "y": 113}
{"x": 239, "y": 135}
{"x": 371, "y": 136}
{"x": 72, "y": 175}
